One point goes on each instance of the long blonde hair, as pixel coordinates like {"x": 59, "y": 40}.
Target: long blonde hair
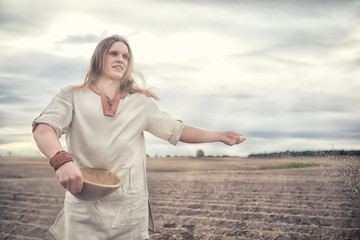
{"x": 127, "y": 82}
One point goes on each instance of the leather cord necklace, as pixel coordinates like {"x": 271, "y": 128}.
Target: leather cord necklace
{"x": 109, "y": 101}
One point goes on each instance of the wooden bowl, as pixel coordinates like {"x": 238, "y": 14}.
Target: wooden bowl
{"x": 97, "y": 183}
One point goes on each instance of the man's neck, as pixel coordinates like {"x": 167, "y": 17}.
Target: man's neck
{"x": 110, "y": 87}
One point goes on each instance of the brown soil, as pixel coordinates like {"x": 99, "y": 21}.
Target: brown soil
{"x": 233, "y": 198}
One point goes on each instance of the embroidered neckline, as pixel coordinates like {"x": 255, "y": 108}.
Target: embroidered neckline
{"x": 109, "y": 107}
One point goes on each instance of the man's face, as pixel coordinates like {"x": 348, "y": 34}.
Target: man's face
{"x": 116, "y": 61}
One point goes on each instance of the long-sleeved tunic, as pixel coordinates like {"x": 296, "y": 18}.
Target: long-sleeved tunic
{"x": 107, "y": 136}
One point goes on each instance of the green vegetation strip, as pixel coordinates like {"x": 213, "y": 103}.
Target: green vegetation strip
{"x": 297, "y": 165}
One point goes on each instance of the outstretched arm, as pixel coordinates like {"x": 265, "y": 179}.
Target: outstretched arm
{"x": 194, "y": 135}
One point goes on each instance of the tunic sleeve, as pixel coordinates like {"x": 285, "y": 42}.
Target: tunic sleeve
{"x": 161, "y": 125}
{"x": 58, "y": 114}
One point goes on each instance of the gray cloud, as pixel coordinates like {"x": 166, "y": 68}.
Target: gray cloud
{"x": 7, "y": 99}
{"x": 42, "y": 65}
{"x": 15, "y": 118}
{"x": 78, "y": 39}
{"x": 305, "y": 101}
{"x": 25, "y": 17}
{"x": 342, "y": 129}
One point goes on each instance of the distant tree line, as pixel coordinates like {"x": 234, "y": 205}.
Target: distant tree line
{"x": 309, "y": 153}
{"x": 200, "y": 154}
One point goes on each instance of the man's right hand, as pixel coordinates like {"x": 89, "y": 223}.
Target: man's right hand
{"x": 69, "y": 176}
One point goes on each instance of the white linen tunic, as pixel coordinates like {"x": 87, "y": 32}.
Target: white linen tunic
{"x": 115, "y": 143}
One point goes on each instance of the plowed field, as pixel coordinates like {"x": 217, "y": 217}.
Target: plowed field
{"x": 231, "y": 198}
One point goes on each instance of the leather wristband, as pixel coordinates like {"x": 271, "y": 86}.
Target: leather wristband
{"x": 59, "y": 159}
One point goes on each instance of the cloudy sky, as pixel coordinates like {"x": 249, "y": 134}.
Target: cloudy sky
{"x": 285, "y": 74}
